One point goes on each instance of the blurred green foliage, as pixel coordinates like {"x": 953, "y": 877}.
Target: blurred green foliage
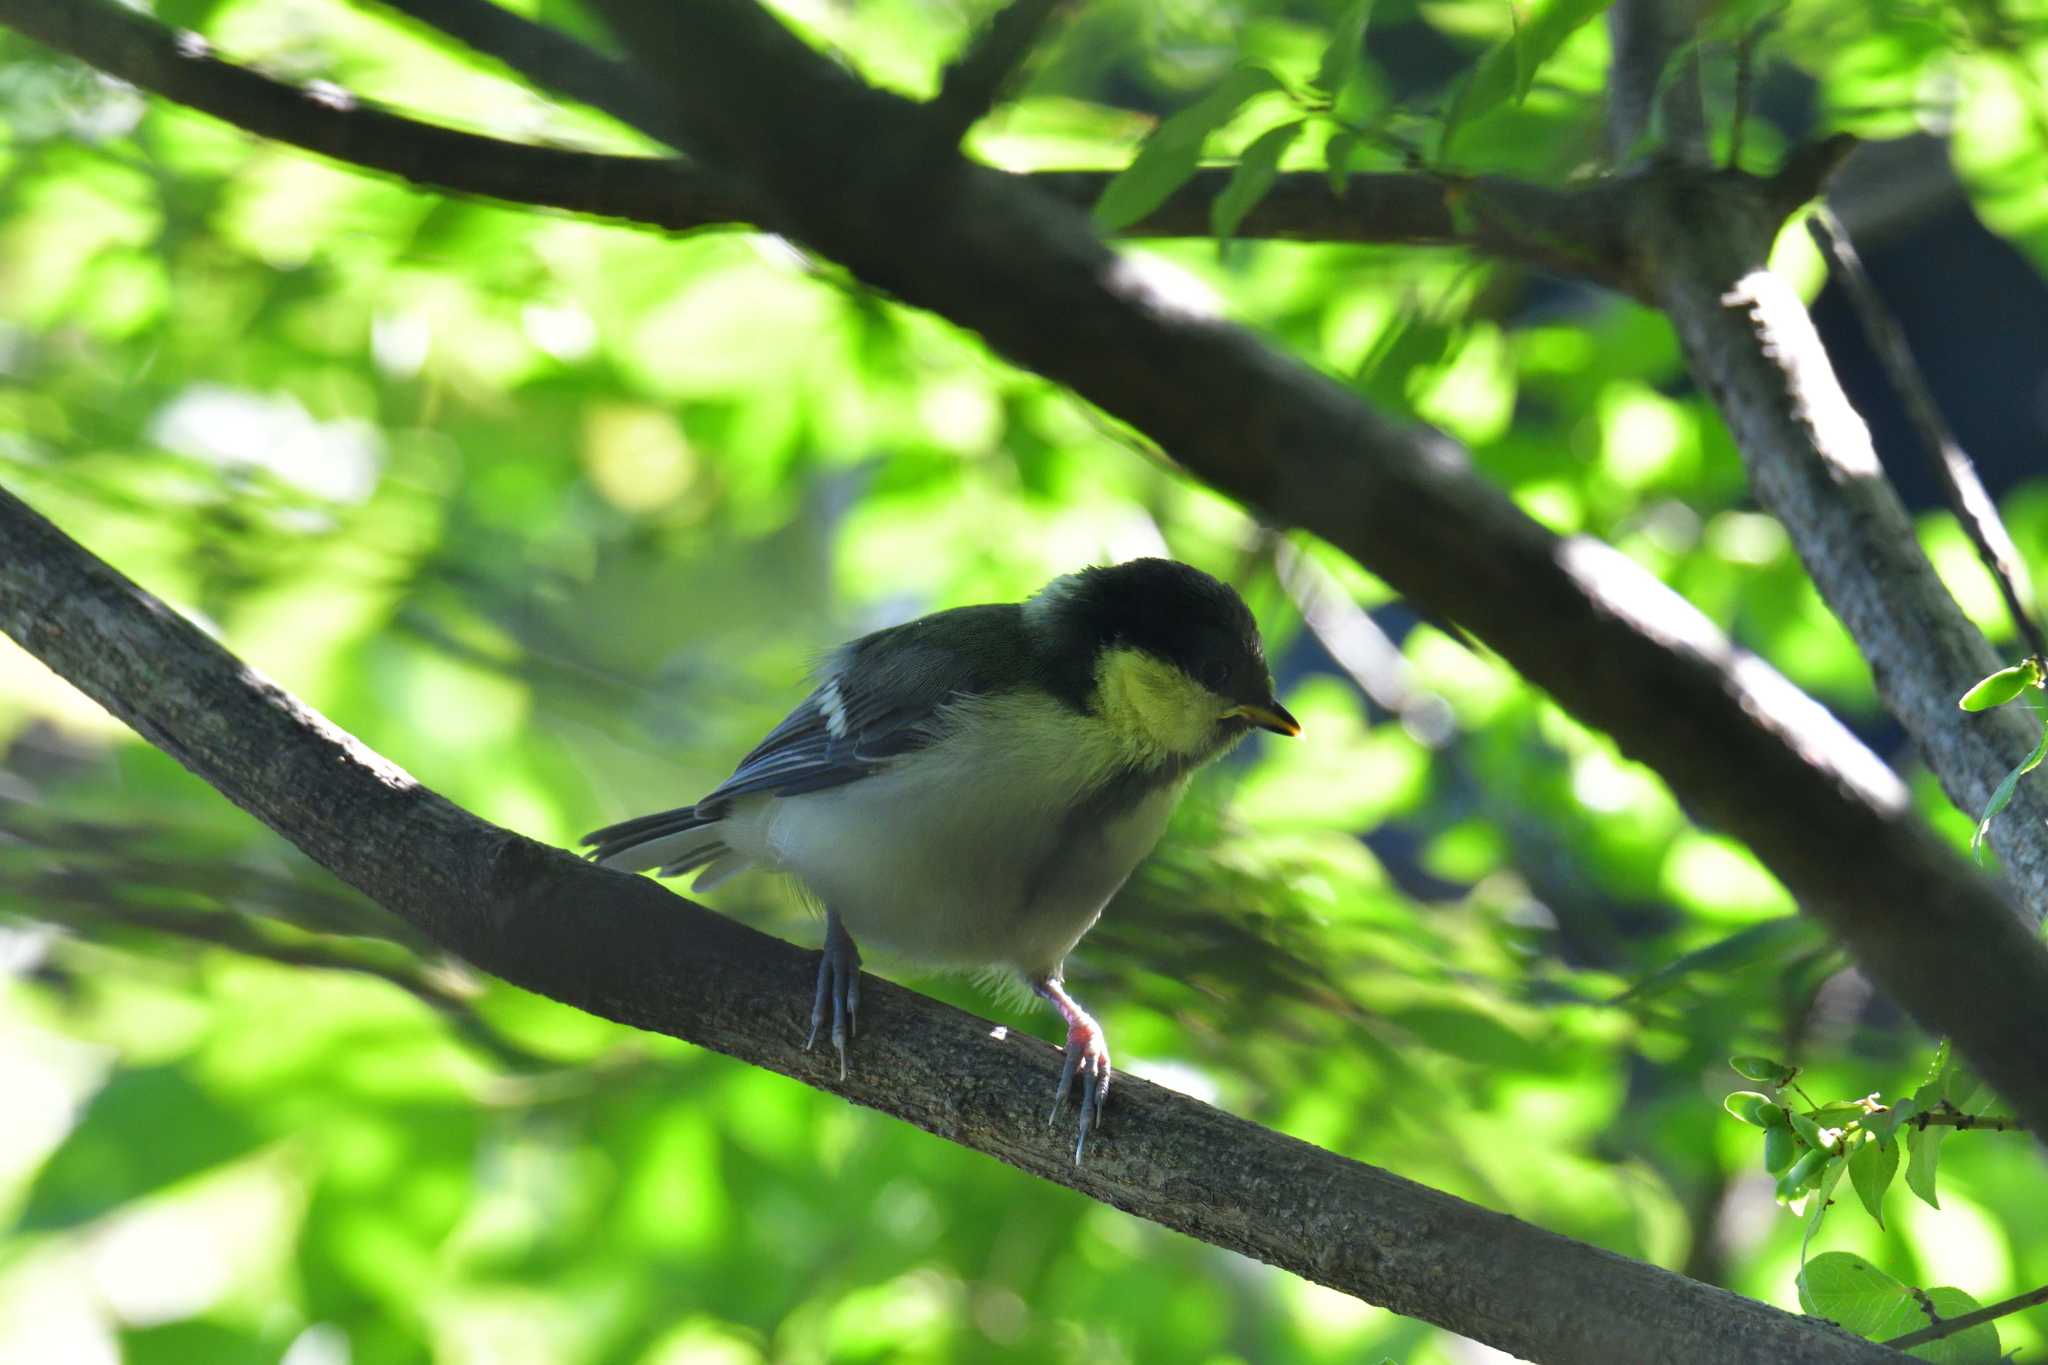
{"x": 555, "y": 514}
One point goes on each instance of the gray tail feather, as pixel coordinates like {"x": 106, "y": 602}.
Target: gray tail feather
{"x": 656, "y": 841}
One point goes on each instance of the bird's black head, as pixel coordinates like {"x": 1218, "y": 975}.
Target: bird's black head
{"x": 1170, "y": 611}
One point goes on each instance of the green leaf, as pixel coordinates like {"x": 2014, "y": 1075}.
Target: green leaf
{"x": 1173, "y": 151}
{"x": 1838, "y": 1115}
{"x": 2002, "y": 686}
{"x": 1808, "y": 1130}
{"x": 1747, "y": 1105}
{"x": 1885, "y": 1124}
{"x": 1977, "y": 1345}
{"x": 1855, "y": 1295}
{"x": 2003, "y": 796}
{"x": 1959, "y": 1086}
{"x": 1256, "y": 171}
{"x": 1925, "y": 1146}
{"x": 1803, "y": 1173}
{"x": 1337, "y": 154}
{"x": 1871, "y": 1168}
{"x": 1780, "y": 1146}
{"x": 1765, "y": 1069}
{"x": 1509, "y": 69}
{"x": 179, "y": 1343}
{"x": 1346, "y": 49}
{"x": 149, "y": 1128}
{"x": 1817, "y": 1206}
{"x": 1774, "y": 941}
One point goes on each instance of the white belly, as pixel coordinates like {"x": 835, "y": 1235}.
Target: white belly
{"x": 964, "y": 855}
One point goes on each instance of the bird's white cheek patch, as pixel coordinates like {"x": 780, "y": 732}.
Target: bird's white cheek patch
{"x": 1152, "y": 705}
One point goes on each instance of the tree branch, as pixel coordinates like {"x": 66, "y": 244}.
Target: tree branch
{"x": 1950, "y": 1117}
{"x": 1948, "y": 1327}
{"x": 1751, "y": 346}
{"x": 660, "y": 191}
{"x": 975, "y": 82}
{"x": 239, "y": 933}
{"x": 1654, "y": 86}
{"x": 1967, "y": 497}
{"x": 1571, "y": 231}
{"x": 624, "y": 948}
{"x": 549, "y": 58}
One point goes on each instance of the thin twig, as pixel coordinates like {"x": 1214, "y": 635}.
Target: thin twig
{"x": 441, "y": 989}
{"x": 1947, "y": 1116}
{"x": 1365, "y": 652}
{"x": 1948, "y": 1327}
{"x": 1966, "y": 493}
{"x": 977, "y": 81}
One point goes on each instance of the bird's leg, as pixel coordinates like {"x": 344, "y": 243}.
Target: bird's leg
{"x": 1087, "y": 1056}
{"x": 838, "y": 984}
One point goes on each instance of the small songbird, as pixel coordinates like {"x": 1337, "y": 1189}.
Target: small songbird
{"x": 970, "y": 788}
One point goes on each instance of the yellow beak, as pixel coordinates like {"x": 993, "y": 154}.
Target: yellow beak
{"x": 1269, "y": 715}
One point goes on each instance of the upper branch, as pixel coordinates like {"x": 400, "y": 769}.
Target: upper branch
{"x": 663, "y": 192}
{"x": 1967, "y": 496}
{"x": 1750, "y": 344}
{"x": 1653, "y": 90}
{"x": 975, "y": 82}
{"x": 624, "y": 948}
{"x": 1572, "y": 232}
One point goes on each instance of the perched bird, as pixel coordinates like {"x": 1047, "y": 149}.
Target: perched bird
{"x": 970, "y": 788}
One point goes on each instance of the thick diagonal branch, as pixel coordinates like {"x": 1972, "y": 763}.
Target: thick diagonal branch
{"x": 624, "y": 948}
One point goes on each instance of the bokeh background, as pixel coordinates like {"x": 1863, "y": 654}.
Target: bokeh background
{"x": 555, "y": 513}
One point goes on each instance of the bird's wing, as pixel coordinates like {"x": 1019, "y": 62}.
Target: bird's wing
{"x": 882, "y": 696}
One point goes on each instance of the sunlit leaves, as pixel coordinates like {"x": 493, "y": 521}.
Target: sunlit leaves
{"x": 1346, "y": 50}
{"x": 2001, "y": 796}
{"x": 1252, "y": 178}
{"x": 2003, "y": 686}
{"x": 1871, "y": 1168}
{"x": 1754, "y": 1068}
{"x": 1508, "y": 70}
{"x": 1173, "y": 151}
{"x": 1854, "y": 1294}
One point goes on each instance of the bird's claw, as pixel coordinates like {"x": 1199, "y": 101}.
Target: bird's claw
{"x": 1088, "y": 1058}
{"x": 838, "y": 989}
